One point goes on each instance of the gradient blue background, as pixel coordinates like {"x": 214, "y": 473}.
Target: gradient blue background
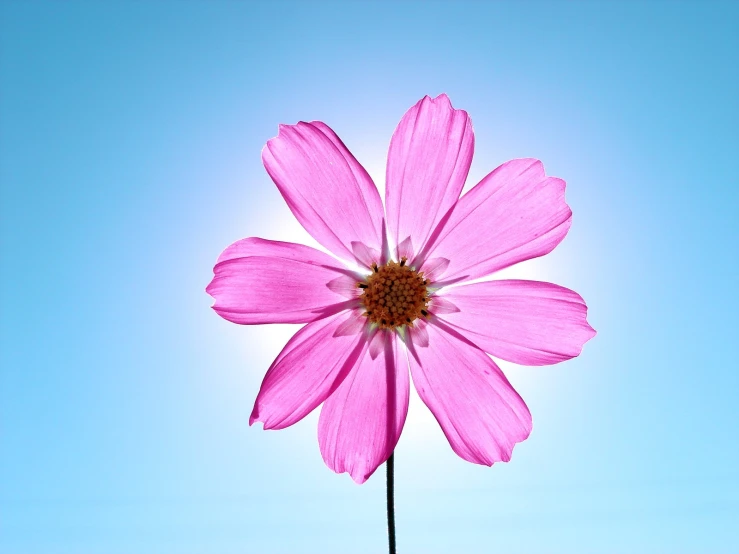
{"x": 130, "y": 138}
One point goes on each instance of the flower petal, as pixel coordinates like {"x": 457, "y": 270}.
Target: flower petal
{"x": 264, "y": 281}
{"x": 327, "y": 190}
{"x": 361, "y": 422}
{"x": 482, "y": 416}
{"x": 525, "y": 322}
{"x": 310, "y": 367}
{"x": 429, "y": 158}
{"x": 515, "y": 213}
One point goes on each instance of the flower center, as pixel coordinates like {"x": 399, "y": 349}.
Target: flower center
{"x": 394, "y": 295}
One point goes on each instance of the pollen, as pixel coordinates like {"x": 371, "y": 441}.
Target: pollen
{"x": 394, "y": 295}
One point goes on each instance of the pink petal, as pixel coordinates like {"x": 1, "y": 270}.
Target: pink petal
{"x": 265, "y": 281}
{"x": 478, "y": 410}
{"x": 327, "y": 190}
{"x": 360, "y": 423}
{"x": 525, "y": 322}
{"x": 515, "y": 213}
{"x": 310, "y": 367}
{"x": 430, "y": 156}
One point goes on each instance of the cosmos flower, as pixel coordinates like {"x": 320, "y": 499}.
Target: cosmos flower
{"x": 409, "y": 310}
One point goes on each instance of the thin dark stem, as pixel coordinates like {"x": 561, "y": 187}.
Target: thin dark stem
{"x": 391, "y": 503}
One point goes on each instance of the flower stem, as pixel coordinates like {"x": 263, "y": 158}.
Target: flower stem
{"x": 390, "y": 466}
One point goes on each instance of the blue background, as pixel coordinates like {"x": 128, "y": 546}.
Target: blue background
{"x": 130, "y": 138}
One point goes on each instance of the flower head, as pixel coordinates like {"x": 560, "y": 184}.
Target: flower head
{"x": 410, "y": 308}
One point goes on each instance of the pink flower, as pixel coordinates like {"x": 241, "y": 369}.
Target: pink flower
{"x": 410, "y": 307}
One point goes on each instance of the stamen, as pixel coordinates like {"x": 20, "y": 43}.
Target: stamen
{"x": 394, "y": 295}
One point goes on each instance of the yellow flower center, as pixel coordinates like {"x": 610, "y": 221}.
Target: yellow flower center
{"x": 394, "y": 295}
